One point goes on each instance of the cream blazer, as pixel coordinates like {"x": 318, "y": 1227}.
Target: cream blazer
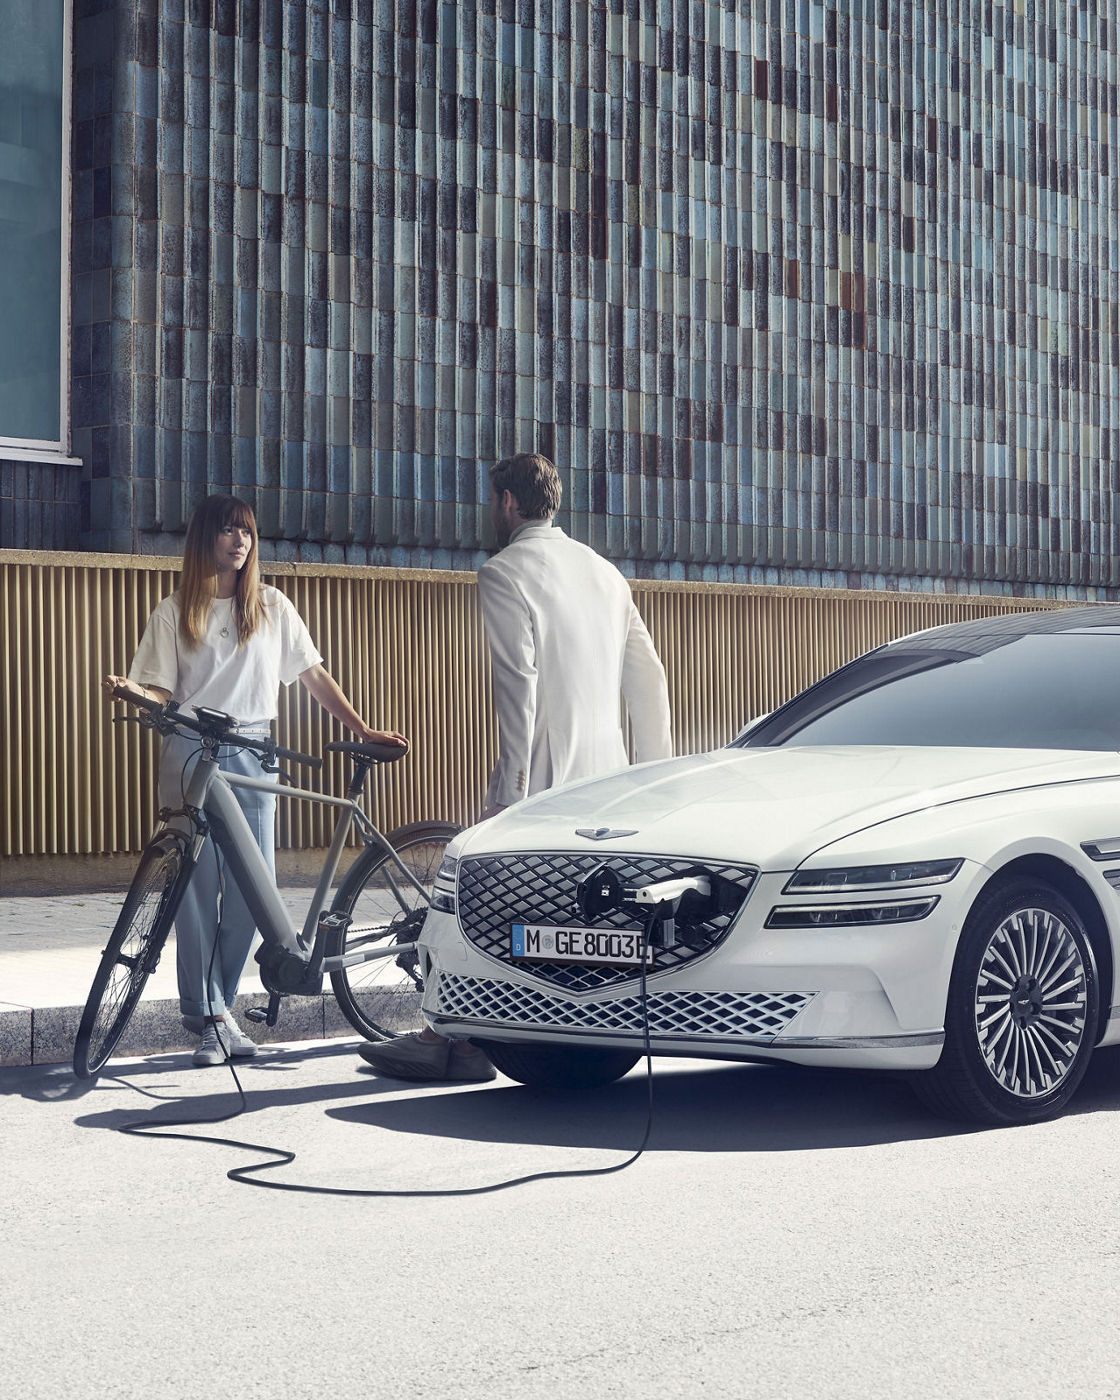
{"x": 565, "y": 642}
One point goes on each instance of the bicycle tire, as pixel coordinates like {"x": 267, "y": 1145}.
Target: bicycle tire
{"x": 133, "y": 950}
{"x": 381, "y": 999}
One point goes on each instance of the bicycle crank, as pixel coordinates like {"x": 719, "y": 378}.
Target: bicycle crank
{"x": 286, "y": 973}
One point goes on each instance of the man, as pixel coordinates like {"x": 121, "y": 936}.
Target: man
{"x": 565, "y": 640}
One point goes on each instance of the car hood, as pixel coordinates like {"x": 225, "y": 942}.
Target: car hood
{"x": 772, "y": 807}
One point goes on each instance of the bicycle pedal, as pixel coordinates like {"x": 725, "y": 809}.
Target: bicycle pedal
{"x": 257, "y": 1014}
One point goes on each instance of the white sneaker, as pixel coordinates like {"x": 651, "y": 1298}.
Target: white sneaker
{"x": 240, "y": 1046}
{"x": 210, "y": 1051}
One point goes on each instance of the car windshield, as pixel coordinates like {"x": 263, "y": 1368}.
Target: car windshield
{"x": 1057, "y": 691}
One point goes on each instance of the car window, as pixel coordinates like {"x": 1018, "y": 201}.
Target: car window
{"x": 1038, "y": 691}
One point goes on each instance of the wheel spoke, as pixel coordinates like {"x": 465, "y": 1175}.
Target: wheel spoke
{"x": 1059, "y": 1037}
{"x": 1051, "y": 954}
{"x": 1019, "y": 944}
{"x": 1004, "y": 983}
{"x": 129, "y": 957}
{"x": 1042, "y": 1048}
{"x": 1036, "y": 1075}
{"x": 1001, "y": 1013}
{"x": 381, "y": 997}
{"x": 1016, "y": 1041}
{"x": 1006, "y": 1034}
{"x": 1048, "y": 987}
{"x": 997, "y": 954}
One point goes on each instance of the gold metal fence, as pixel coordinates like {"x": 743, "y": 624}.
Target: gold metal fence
{"x": 407, "y": 647}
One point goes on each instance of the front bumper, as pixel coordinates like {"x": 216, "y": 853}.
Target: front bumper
{"x": 861, "y": 997}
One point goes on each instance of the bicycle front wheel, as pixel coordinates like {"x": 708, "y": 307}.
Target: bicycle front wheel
{"x": 133, "y": 950}
{"x": 381, "y": 998}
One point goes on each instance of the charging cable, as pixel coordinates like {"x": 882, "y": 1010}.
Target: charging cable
{"x": 250, "y": 1175}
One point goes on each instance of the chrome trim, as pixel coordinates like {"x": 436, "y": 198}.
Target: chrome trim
{"x": 709, "y": 1043}
{"x": 858, "y": 1042}
{"x": 1107, "y": 848}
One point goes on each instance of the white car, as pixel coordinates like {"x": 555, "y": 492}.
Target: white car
{"x": 914, "y": 865}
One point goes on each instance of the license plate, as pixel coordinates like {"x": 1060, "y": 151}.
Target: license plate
{"x": 620, "y": 947}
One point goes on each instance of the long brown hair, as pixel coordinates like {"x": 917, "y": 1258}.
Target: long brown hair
{"x": 198, "y": 582}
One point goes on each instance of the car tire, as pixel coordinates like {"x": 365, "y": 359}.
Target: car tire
{"x": 558, "y": 1066}
{"x": 1022, "y": 1010}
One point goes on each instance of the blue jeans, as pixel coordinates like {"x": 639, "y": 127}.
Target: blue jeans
{"x": 203, "y": 917}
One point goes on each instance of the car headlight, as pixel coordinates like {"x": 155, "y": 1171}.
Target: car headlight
{"x": 901, "y": 911}
{"x": 443, "y": 886}
{"x": 874, "y": 877}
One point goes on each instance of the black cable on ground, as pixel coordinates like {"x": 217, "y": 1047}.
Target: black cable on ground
{"x": 248, "y": 1175}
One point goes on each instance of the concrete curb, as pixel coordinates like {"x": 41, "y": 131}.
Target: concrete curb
{"x": 45, "y": 1035}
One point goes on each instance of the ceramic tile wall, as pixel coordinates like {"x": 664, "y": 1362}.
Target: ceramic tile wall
{"x": 793, "y": 291}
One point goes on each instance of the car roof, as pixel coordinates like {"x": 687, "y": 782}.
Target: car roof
{"x": 987, "y": 633}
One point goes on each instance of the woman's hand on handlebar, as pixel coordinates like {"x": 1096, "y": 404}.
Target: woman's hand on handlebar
{"x": 111, "y": 684}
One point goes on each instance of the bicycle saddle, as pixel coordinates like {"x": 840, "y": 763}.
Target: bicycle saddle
{"x": 379, "y": 753}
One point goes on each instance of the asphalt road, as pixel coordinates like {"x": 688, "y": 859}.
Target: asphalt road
{"x": 787, "y": 1233}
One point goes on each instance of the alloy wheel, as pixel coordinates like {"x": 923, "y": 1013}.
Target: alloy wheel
{"x": 1031, "y": 1002}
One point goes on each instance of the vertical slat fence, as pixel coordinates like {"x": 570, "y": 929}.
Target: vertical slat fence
{"x": 408, "y": 648}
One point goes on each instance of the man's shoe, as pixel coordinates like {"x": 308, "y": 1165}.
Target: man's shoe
{"x": 240, "y": 1046}
{"x": 409, "y": 1057}
{"x": 211, "y": 1051}
{"x": 470, "y": 1064}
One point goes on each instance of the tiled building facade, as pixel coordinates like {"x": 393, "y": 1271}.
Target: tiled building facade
{"x": 793, "y": 291}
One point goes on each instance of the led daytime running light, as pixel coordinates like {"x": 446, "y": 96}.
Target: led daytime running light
{"x": 443, "y": 886}
{"x": 849, "y": 915}
{"x": 874, "y": 877}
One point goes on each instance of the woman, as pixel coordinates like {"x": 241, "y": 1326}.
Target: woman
{"x": 226, "y": 641}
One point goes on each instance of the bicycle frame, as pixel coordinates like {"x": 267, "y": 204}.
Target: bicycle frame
{"x": 214, "y": 812}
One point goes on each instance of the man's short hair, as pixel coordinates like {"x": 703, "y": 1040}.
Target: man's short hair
{"x": 533, "y": 482}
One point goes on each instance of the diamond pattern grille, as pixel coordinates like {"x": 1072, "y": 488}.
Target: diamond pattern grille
{"x": 742, "y": 1015}
{"x": 540, "y": 888}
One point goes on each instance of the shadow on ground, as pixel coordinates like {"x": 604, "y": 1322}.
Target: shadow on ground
{"x": 698, "y": 1106}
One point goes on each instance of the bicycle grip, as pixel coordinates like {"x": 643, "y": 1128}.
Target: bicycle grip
{"x": 122, "y": 692}
{"x": 308, "y": 760}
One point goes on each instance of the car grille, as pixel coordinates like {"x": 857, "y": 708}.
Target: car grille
{"x": 756, "y": 1016}
{"x": 540, "y": 888}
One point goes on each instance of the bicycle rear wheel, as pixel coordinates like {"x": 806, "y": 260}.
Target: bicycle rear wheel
{"x": 132, "y": 951}
{"x": 381, "y": 998}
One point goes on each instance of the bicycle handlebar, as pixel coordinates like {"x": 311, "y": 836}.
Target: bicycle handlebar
{"x": 169, "y": 719}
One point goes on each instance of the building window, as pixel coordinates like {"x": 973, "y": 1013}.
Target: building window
{"x": 34, "y": 242}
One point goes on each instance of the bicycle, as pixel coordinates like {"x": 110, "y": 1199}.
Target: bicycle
{"x": 376, "y": 913}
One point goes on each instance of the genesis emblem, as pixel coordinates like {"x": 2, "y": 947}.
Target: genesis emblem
{"x": 602, "y": 833}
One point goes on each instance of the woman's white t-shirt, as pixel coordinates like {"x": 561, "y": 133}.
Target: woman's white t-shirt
{"x": 218, "y": 674}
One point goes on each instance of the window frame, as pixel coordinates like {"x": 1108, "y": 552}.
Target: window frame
{"x": 58, "y": 449}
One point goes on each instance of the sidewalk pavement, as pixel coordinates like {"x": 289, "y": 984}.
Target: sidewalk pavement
{"x": 50, "y": 946}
